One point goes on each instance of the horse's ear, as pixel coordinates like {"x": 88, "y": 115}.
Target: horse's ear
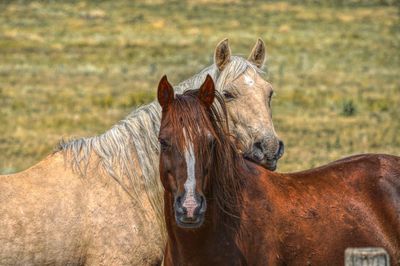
{"x": 222, "y": 54}
{"x": 165, "y": 93}
{"x": 207, "y": 92}
{"x": 257, "y": 55}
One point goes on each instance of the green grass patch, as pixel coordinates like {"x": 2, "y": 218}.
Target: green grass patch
{"x": 74, "y": 68}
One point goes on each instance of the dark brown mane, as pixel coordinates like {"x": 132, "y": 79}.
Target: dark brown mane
{"x": 225, "y": 164}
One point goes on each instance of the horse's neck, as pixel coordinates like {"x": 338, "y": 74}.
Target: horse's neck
{"x": 143, "y": 127}
{"x": 128, "y": 153}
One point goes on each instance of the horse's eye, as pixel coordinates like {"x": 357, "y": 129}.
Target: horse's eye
{"x": 164, "y": 144}
{"x": 212, "y": 142}
{"x": 228, "y": 95}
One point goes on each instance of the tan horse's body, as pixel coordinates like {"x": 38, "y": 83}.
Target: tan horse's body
{"x": 98, "y": 201}
{"x": 52, "y": 216}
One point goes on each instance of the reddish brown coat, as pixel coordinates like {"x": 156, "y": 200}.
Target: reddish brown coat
{"x": 305, "y": 218}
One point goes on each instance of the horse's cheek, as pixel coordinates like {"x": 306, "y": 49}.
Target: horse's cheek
{"x": 205, "y": 184}
{"x": 165, "y": 175}
{"x": 172, "y": 186}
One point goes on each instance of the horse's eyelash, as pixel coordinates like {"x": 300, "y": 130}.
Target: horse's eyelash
{"x": 231, "y": 88}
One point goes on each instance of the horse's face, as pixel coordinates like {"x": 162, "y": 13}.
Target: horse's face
{"x": 248, "y": 101}
{"x": 251, "y": 120}
{"x": 182, "y": 176}
{"x": 184, "y": 138}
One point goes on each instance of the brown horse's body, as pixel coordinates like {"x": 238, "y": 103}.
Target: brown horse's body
{"x": 223, "y": 210}
{"x": 305, "y": 218}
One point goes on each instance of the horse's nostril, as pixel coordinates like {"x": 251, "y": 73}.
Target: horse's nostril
{"x": 258, "y": 145}
{"x": 281, "y": 145}
{"x": 257, "y": 153}
{"x": 281, "y": 149}
{"x": 179, "y": 200}
{"x": 203, "y": 204}
{"x": 202, "y": 200}
{"x": 178, "y": 205}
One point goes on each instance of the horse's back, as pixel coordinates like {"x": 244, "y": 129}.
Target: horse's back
{"x": 360, "y": 162}
{"x": 357, "y": 171}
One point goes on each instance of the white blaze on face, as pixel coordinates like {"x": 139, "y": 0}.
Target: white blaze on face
{"x": 248, "y": 80}
{"x": 189, "y": 201}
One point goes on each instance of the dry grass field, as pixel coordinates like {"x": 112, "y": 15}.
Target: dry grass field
{"x": 74, "y": 68}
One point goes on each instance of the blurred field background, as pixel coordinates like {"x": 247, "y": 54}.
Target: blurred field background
{"x": 74, "y": 68}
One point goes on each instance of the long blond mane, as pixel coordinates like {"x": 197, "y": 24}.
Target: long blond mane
{"x": 132, "y": 142}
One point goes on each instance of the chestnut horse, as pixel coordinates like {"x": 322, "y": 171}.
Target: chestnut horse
{"x": 221, "y": 209}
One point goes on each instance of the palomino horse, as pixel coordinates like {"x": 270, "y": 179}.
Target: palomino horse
{"x": 223, "y": 210}
{"x": 98, "y": 200}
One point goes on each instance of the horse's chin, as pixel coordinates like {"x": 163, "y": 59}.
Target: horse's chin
{"x": 269, "y": 164}
{"x": 191, "y": 223}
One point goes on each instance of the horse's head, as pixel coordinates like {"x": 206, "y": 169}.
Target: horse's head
{"x": 248, "y": 101}
{"x": 187, "y": 137}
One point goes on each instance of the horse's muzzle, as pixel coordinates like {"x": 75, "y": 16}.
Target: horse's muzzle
{"x": 260, "y": 155}
{"x": 190, "y": 212}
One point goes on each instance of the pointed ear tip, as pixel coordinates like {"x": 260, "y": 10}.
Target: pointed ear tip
{"x": 208, "y": 83}
{"x": 223, "y": 42}
{"x": 162, "y": 79}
